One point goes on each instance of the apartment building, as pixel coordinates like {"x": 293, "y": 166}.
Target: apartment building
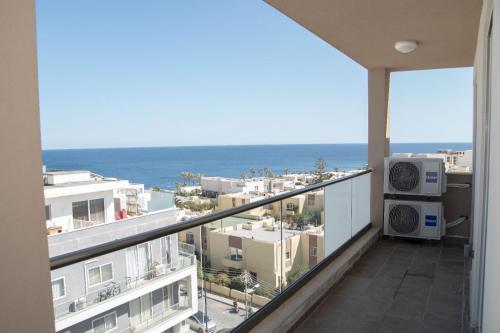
{"x": 79, "y": 199}
{"x": 226, "y": 201}
{"x": 259, "y": 248}
{"x": 150, "y": 287}
{"x": 214, "y": 186}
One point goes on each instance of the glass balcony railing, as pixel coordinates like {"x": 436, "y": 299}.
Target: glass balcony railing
{"x": 117, "y": 288}
{"x": 240, "y": 261}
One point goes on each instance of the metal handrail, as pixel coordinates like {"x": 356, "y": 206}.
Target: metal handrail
{"x": 74, "y": 257}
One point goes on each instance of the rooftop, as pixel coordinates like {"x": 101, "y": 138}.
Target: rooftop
{"x": 262, "y": 234}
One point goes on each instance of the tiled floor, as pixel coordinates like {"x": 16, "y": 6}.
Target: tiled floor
{"x": 398, "y": 286}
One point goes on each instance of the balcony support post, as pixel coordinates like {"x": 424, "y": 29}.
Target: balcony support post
{"x": 378, "y": 138}
{"x": 26, "y": 304}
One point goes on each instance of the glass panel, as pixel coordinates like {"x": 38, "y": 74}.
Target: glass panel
{"x": 337, "y": 215}
{"x": 230, "y": 269}
{"x": 110, "y": 322}
{"x": 58, "y": 288}
{"x": 98, "y": 325}
{"x": 81, "y": 210}
{"x": 107, "y": 272}
{"x": 97, "y": 210}
{"x": 94, "y": 276}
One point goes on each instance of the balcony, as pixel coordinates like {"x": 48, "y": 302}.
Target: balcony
{"x": 355, "y": 266}
{"x": 119, "y": 292}
{"x": 396, "y": 286}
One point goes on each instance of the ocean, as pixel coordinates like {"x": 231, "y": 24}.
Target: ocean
{"x": 161, "y": 166}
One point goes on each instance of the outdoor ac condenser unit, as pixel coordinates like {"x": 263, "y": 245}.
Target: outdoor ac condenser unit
{"x": 415, "y": 219}
{"x": 414, "y": 176}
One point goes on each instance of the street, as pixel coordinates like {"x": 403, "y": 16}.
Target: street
{"x": 222, "y": 313}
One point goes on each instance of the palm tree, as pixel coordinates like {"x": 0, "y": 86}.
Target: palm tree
{"x": 261, "y": 172}
{"x": 252, "y": 172}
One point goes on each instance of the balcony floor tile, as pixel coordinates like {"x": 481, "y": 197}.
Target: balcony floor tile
{"x": 397, "y": 286}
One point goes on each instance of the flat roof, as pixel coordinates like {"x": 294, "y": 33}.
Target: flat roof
{"x": 262, "y": 234}
{"x": 65, "y": 172}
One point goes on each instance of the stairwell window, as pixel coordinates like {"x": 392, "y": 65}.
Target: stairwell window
{"x": 58, "y": 288}
{"x": 100, "y": 274}
{"x": 105, "y": 323}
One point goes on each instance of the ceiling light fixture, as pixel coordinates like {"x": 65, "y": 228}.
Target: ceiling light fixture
{"x": 406, "y": 46}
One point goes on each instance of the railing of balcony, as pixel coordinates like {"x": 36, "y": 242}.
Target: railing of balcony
{"x": 295, "y": 235}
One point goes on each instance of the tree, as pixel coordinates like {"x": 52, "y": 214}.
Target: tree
{"x": 320, "y": 171}
{"x": 270, "y": 174}
{"x": 295, "y": 273}
{"x": 156, "y": 189}
{"x": 286, "y": 171}
{"x": 223, "y": 279}
{"x": 252, "y": 172}
{"x": 261, "y": 172}
{"x": 243, "y": 175}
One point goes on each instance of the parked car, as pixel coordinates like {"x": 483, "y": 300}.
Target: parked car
{"x": 199, "y": 323}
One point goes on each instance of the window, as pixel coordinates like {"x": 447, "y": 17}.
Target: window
{"x": 311, "y": 199}
{"x": 166, "y": 247}
{"x": 234, "y": 202}
{"x": 313, "y": 250}
{"x": 97, "y": 210}
{"x": 48, "y": 212}
{"x": 58, "y": 288}
{"x": 287, "y": 255}
{"x": 91, "y": 210}
{"x": 235, "y": 253}
{"x": 100, "y": 274}
{"x": 81, "y": 210}
{"x": 105, "y": 323}
{"x": 290, "y": 206}
{"x": 190, "y": 238}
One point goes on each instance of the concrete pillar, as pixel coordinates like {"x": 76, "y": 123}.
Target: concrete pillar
{"x": 26, "y": 302}
{"x": 378, "y": 138}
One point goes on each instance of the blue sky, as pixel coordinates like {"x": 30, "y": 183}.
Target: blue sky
{"x": 176, "y": 73}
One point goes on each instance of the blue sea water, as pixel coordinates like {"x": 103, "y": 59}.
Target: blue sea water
{"x": 161, "y": 166}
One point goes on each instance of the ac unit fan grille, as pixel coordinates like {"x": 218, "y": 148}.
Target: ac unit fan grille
{"x": 404, "y": 176}
{"x": 404, "y": 219}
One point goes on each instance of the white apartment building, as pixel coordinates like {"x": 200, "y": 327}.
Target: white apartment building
{"x": 213, "y": 186}
{"x": 79, "y": 199}
{"x": 150, "y": 287}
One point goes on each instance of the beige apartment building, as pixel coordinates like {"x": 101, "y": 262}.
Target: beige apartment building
{"x": 258, "y": 249}
{"x": 240, "y": 243}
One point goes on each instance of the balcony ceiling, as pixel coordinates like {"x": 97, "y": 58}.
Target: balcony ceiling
{"x": 366, "y": 30}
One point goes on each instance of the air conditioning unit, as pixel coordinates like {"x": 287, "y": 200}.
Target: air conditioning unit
{"x": 414, "y": 176}
{"x": 415, "y": 219}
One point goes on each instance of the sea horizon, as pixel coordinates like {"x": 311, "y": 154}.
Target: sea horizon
{"x": 161, "y": 166}
{"x": 251, "y": 145}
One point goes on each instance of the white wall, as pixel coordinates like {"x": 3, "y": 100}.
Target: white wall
{"x": 62, "y": 208}
{"x": 485, "y": 273}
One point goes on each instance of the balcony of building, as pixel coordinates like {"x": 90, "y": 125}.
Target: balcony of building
{"x": 354, "y": 281}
